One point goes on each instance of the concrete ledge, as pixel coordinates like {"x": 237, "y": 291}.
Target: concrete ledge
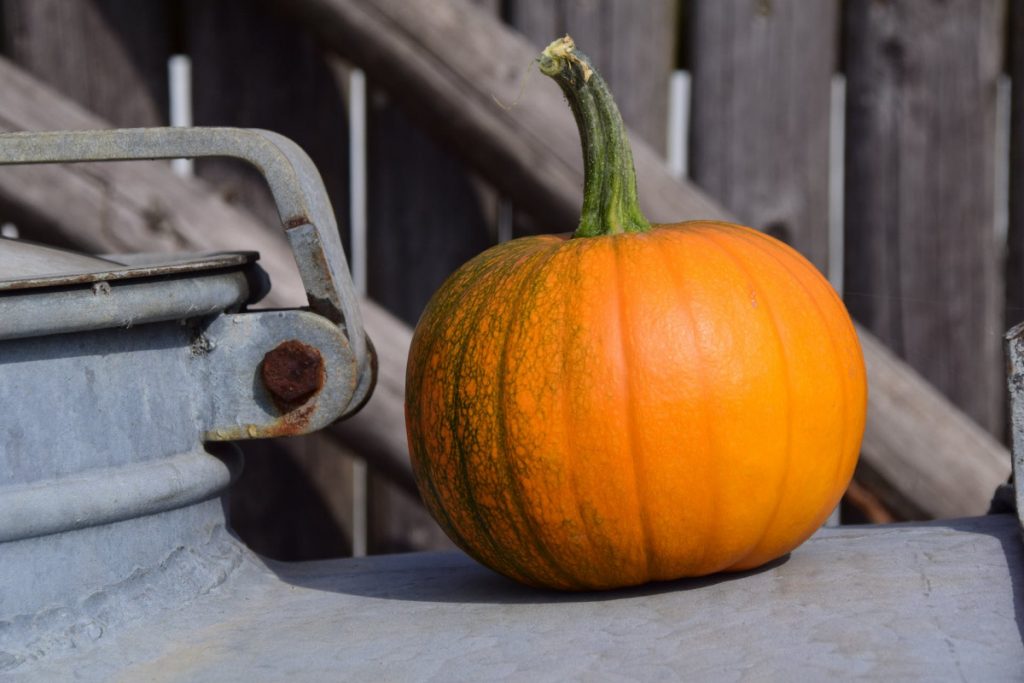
{"x": 915, "y": 601}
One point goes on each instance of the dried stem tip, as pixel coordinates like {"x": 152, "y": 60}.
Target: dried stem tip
{"x": 560, "y": 52}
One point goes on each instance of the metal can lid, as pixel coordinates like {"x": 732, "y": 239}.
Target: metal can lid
{"x": 27, "y": 265}
{"x": 46, "y": 290}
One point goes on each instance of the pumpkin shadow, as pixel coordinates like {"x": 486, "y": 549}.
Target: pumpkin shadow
{"x": 452, "y": 577}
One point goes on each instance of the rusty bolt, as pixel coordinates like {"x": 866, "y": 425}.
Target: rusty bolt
{"x": 292, "y": 372}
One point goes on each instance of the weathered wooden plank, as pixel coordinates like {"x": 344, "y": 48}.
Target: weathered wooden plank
{"x": 905, "y": 413}
{"x": 922, "y": 269}
{"x": 759, "y": 138}
{"x": 253, "y": 69}
{"x": 444, "y": 61}
{"x": 1015, "y": 236}
{"x": 108, "y": 55}
{"x": 861, "y": 506}
{"x": 631, "y": 44}
{"x": 426, "y": 216}
{"x": 278, "y": 507}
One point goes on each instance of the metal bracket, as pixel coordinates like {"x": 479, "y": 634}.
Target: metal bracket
{"x": 1015, "y": 383}
{"x": 298, "y": 191}
{"x": 239, "y": 355}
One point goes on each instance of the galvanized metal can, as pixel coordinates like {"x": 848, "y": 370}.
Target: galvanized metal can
{"x": 123, "y": 381}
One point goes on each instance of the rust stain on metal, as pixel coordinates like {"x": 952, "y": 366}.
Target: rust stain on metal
{"x": 295, "y": 222}
{"x": 292, "y": 423}
{"x": 327, "y": 306}
{"x": 292, "y": 372}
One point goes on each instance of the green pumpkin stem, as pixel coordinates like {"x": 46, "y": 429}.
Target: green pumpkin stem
{"x": 610, "y": 203}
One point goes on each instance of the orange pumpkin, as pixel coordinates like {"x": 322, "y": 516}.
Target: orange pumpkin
{"x": 636, "y": 402}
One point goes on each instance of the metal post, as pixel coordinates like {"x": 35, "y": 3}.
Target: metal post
{"x": 1015, "y": 384}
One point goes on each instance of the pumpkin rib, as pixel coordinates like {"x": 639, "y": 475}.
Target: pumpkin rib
{"x": 788, "y": 369}
{"x": 422, "y": 466}
{"x": 632, "y": 423}
{"x": 501, "y": 397}
{"x": 527, "y": 281}
{"x": 682, "y": 286}
{"x": 487, "y": 281}
{"x": 577, "y": 249}
{"x": 768, "y": 248}
{"x": 481, "y": 527}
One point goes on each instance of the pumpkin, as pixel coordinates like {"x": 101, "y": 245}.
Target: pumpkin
{"x": 634, "y": 402}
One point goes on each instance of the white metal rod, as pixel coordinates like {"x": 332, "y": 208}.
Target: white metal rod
{"x": 357, "y": 175}
{"x": 179, "y": 76}
{"x": 836, "y": 180}
{"x": 1002, "y": 157}
{"x": 357, "y": 232}
{"x": 678, "y": 122}
{"x": 506, "y": 220}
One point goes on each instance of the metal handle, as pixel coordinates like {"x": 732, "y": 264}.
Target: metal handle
{"x": 298, "y": 191}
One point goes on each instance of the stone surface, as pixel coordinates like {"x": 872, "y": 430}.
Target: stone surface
{"x": 936, "y": 601}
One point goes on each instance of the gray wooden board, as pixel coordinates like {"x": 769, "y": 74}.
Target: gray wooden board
{"x": 922, "y": 271}
{"x": 426, "y": 215}
{"x": 377, "y": 433}
{"x": 108, "y": 55}
{"x": 425, "y": 218}
{"x": 933, "y": 601}
{"x": 762, "y": 76}
{"x": 254, "y": 69}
